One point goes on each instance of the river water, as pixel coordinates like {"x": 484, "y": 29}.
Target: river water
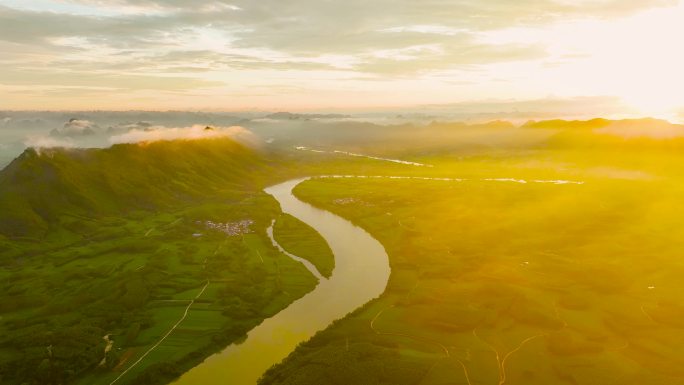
{"x": 361, "y": 274}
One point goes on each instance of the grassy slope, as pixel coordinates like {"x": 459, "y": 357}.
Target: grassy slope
{"x": 101, "y": 242}
{"x": 40, "y": 186}
{"x": 567, "y": 283}
{"x": 303, "y": 241}
{"x": 80, "y": 230}
{"x": 97, "y": 242}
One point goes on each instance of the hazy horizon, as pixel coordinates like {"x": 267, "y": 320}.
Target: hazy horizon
{"x": 321, "y": 192}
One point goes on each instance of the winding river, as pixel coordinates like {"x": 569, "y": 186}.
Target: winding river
{"x": 360, "y": 275}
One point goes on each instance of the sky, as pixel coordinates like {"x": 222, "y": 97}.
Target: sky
{"x": 341, "y": 55}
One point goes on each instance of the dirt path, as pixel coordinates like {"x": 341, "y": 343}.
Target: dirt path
{"x": 508, "y": 355}
{"x": 501, "y": 363}
{"x": 185, "y": 314}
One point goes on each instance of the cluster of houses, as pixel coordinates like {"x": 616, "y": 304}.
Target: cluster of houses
{"x": 344, "y": 201}
{"x": 230, "y": 228}
{"x": 355, "y": 201}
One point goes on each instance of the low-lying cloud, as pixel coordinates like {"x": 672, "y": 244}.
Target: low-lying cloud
{"x": 159, "y": 133}
{"x": 126, "y": 127}
{"x": 76, "y": 127}
{"x": 42, "y": 141}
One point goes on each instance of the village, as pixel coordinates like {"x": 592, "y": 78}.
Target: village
{"x": 229, "y": 228}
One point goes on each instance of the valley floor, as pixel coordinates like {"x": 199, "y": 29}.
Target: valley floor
{"x": 495, "y": 281}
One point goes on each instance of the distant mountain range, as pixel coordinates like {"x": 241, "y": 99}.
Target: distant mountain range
{"x": 42, "y": 184}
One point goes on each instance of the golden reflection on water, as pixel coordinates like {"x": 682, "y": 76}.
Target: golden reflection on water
{"x": 361, "y": 274}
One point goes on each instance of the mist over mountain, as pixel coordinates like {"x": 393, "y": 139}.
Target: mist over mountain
{"x": 140, "y": 165}
{"x": 22, "y": 129}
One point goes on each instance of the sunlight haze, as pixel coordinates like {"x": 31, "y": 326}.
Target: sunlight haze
{"x": 341, "y": 192}
{"x": 313, "y": 55}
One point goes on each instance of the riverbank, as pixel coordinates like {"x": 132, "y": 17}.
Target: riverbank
{"x": 361, "y": 274}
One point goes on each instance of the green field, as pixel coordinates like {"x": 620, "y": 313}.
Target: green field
{"x": 500, "y": 281}
{"x": 117, "y": 242}
{"x": 82, "y": 259}
{"x": 549, "y": 256}
{"x": 298, "y": 238}
{"x": 87, "y": 289}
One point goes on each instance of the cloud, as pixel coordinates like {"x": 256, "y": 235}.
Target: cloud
{"x": 127, "y": 127}
{"x": 154, "y": 51}
{"x": 196, "y": 132}
{"x": 42, "y": 141}
{"x": 425, "y": 59}
{"x": 76, "y": 127}
{"x": 298, "y": 28}
{"x": 104, "y": 82}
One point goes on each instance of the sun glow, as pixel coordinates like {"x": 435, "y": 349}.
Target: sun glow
{"x": 109, "y": 56}
{"x": 635, "y": 58}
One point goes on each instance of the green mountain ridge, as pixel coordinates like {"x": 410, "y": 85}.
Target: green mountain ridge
{"x": 118, "y": 242}
{"x": 40, "y": 185}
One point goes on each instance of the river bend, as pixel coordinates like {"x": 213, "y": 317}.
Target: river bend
{"x": 361, "y": 274}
